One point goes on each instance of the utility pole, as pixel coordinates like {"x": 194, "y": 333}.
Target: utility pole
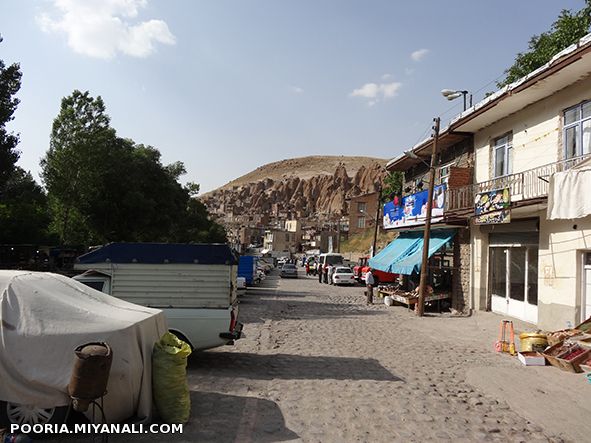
{"x": 377, "y": 219}
{"x": 427, "y": 234}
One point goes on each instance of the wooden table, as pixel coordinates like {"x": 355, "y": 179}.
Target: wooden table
{"x": 411, "y": 298}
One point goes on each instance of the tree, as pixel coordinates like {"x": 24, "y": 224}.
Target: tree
{"x": 10, "y": 83}
{"x": 80, "y": 138}
{"x": 565, "y": 31}
{"x": 392, "y": 185}
{"x": 24, "y": 214}
{"x": 105, "y": 188}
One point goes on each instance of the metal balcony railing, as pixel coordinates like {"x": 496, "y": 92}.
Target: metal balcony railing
{"x": 525, "y": 185}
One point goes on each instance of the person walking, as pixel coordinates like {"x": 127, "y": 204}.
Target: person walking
{"x": 307, "y": 269}
{"x": 369, "y": 283}
{"x": 319, "y": 271}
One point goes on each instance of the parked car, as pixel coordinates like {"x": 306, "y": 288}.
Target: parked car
{"x": 44, "y": 317}
{"x": 289, "y": 270}
{"x": 343, "y": 275}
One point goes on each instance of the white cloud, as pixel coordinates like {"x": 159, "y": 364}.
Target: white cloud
{"x": 377, "y": 92}
{"x": 386, "y": 76}
{"x": 419, "y": 54}
{"x": 101, "y": 28}
{"x": 296, "y": 89}
{"x": 368, "y": 90}
{"x": 409, "y": 71}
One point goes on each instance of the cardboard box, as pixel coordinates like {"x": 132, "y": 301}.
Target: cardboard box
{"x": 531, "y": 358}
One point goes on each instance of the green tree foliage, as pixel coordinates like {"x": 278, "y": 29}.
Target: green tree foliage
{"x": 565, "y": 31}
{"x": 105, "y": 188}
{"x": 392, "y": 185}
{"x": 24, "y": 214}
{"x": 10, "y": 83}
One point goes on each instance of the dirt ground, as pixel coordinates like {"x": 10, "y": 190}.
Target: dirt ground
{"x": 318, "y": 365}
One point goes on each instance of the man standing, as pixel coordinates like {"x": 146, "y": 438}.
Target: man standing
{"x": 331, "y": 269}
{"x": 369, "y": 282}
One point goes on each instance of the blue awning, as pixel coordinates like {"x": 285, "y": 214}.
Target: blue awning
{"x": 405, "y": 254}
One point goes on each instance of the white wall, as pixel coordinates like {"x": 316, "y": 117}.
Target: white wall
{"x": 537, "y": 132}
{"x": 560, "y": 271}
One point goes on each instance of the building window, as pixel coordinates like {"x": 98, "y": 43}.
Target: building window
{"x": 361, "y": 207}
{"x": 502, "y": 148}
{"x": 361, "y": 222}
{"x": 444, "y": 174}
{"x": 577, "y": 130}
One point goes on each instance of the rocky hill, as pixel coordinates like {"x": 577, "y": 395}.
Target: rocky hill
{"x": 306, "y": 187}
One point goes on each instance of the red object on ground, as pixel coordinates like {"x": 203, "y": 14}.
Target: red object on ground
{"x": 362, "y": 267}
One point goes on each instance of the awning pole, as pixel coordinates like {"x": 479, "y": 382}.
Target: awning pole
{"x": 426, "y": 237}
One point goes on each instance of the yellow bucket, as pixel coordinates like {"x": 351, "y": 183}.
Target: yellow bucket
{"x": 533, "y": 341}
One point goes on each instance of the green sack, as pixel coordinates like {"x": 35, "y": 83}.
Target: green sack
{"x": 169, "y": 379}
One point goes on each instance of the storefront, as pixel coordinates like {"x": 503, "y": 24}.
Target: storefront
{"x": 513, "y": 271}
{"x": 403, "y": 256}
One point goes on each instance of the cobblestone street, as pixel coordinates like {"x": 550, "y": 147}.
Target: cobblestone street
{"x": 318, "y": 365}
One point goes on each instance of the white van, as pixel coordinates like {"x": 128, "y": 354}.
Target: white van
{"x": 330, "y": 259}
{"x": 194, "y": 284}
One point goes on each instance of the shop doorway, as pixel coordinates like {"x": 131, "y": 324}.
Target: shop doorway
{"x": 586, "y": 302}
{"x": 513, "y": 286}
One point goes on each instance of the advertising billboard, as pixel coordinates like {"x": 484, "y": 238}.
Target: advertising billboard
{"x": 412, "y": 209}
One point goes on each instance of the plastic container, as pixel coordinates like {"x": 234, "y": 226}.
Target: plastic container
{"x": 533, "y": 342}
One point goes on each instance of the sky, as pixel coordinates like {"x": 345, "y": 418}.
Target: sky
{"x": 227, "y": 86}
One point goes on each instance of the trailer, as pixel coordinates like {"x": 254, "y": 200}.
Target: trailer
{"x": 194, "y": 284}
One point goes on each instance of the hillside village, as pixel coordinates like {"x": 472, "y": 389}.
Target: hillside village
{"x": 288, "y": 214}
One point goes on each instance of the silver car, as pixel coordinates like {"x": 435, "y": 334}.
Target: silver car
{"x": 289, "y": 270}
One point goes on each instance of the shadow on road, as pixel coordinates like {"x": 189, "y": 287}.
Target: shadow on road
{"x": 228, "y": 418}
{"x": 288, "y": 367}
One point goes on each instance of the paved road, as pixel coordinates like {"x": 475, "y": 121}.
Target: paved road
{"x": 318, "y": 365}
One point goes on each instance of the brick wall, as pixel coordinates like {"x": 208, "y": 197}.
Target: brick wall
{"x": 371, "y": 202}
{"x": 459, "y": 177}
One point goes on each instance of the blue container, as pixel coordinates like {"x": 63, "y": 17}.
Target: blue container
{"x": 247, "y": 268}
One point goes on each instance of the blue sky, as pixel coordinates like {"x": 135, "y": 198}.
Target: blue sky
{"x": 226, "y": 86}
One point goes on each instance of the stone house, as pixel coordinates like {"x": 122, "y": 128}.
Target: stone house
{"x": 362, "y": 213}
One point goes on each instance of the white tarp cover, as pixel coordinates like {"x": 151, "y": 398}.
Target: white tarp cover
{"x": 569, "y": 194}
{"x": 44, "y": 317}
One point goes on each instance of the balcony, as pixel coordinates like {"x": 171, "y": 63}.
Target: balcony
{"x": 525, "y": 185}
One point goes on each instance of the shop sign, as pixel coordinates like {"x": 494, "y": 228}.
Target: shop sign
{"x": 412, "y": 209}
{"x": 494, "y": 218}
{"x": 492, "y": 207}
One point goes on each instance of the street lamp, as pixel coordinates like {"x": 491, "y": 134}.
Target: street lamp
{"x": 427, "y": 232}
{"x": 411, "y": 154}
{"x": 452, "y": 94}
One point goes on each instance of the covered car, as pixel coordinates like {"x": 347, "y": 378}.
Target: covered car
{"x": 43, "y": 318}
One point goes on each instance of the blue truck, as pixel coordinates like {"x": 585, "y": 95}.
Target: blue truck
{"x": 247, "y": 268}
